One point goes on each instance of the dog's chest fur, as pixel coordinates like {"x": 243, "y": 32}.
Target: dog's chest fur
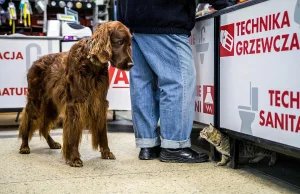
{"x": 85, "y": 84}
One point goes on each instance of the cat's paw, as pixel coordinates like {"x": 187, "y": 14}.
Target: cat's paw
{"x": 273, "y": 159}
{"x": 221, "y": 163}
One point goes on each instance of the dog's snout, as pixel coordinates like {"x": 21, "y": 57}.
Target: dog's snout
{"x": 130, "y": 64}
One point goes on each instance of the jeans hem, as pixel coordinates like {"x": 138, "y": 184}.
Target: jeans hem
{"x": 175, "y": 144}
{"x": 147, "y": 142}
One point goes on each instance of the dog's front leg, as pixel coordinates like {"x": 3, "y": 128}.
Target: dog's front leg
{"x": 99, "y": 131}
{"x": 72, "y": 131}
{"x": 104, "y": 149}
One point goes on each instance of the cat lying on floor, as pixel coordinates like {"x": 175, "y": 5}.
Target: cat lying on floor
{"x": 251, "y": 153}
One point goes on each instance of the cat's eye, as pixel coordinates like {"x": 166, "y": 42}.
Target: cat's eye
{"x": 121, "y": 42}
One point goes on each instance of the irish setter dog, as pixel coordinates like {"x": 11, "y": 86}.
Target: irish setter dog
{"x": 75, "y": 84}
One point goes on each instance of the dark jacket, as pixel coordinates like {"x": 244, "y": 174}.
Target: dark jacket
{"x": 161, "y": 16}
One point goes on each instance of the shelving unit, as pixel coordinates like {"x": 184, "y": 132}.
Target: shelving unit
{"x": 100, "y": 12}
{"x": 36, "y": 21}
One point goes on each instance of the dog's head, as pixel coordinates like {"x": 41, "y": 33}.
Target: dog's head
{"x": 111, "y": 41}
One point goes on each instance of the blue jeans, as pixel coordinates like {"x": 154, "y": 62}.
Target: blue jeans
{"x": 162, "y": 86}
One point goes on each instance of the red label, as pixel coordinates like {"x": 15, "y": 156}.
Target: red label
{"x": 11, "y": 56}
{"x": 120, "y": 80}
{"x": 278, "y": 120}
{"x": 13, "y": 92}
{"x": 208, "y": 99}
{"x": 227, "y": 40}
{"x": 264, "y": 43}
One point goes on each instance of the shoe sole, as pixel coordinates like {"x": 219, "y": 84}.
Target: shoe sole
{"x": 150, "y": 158}
{"x": 146, "y": 158}
{"x": 169, "y": 159}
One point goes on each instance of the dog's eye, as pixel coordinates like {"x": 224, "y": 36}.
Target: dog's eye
{"x": 120, "y": 42}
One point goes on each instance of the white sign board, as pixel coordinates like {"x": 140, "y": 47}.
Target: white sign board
{"x": 202, "y": 43}
{"x": 16, "y": 56}
{"x": 119, "y": 92}
{"x": 260, "y": 71}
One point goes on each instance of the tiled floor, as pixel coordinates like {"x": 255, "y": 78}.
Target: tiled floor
{"x": 44, "y": 171}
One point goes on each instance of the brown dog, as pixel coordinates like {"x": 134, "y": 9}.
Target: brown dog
{"x": 75, "y": 84}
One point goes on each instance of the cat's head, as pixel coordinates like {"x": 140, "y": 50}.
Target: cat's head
{"x": 211, "y": 134}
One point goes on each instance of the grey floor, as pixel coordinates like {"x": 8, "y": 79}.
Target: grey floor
{"x": 44, "y": 170}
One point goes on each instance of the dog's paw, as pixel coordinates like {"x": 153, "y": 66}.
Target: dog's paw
{"x": 76, "y": 163}
{"x": 108, "y": 155}
{"x": 55, "y": 145}
{"x": 24, "y": 150}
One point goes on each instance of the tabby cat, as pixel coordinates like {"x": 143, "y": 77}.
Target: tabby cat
{"x": 251, "y": 153}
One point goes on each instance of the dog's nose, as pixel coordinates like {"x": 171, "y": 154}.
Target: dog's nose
{"x": 130, "y": 65}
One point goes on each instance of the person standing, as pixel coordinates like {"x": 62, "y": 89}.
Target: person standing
{"x": 163, "y": 79}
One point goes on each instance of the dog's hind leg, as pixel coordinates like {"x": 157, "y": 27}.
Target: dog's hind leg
{"x": 27, "y": 127}
{"x": 50, "y": 117}
{"x": 72, "y": 132}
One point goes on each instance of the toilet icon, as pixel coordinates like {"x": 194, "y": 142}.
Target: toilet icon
{"x": 247, "y": 113}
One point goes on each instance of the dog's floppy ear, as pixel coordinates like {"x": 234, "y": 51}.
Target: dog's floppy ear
{"x": 101, "y": 46}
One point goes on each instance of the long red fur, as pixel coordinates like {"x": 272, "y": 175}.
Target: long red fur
{"x": 73, "y": 84}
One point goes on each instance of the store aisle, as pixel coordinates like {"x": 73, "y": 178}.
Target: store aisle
{"x": 44, "y": 171}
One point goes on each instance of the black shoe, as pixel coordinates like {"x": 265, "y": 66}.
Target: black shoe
{"x": 149, "y": 153}
{"x": 182, "y": 155}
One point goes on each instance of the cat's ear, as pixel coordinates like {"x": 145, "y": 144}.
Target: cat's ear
{"x": 211, "y": 128}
